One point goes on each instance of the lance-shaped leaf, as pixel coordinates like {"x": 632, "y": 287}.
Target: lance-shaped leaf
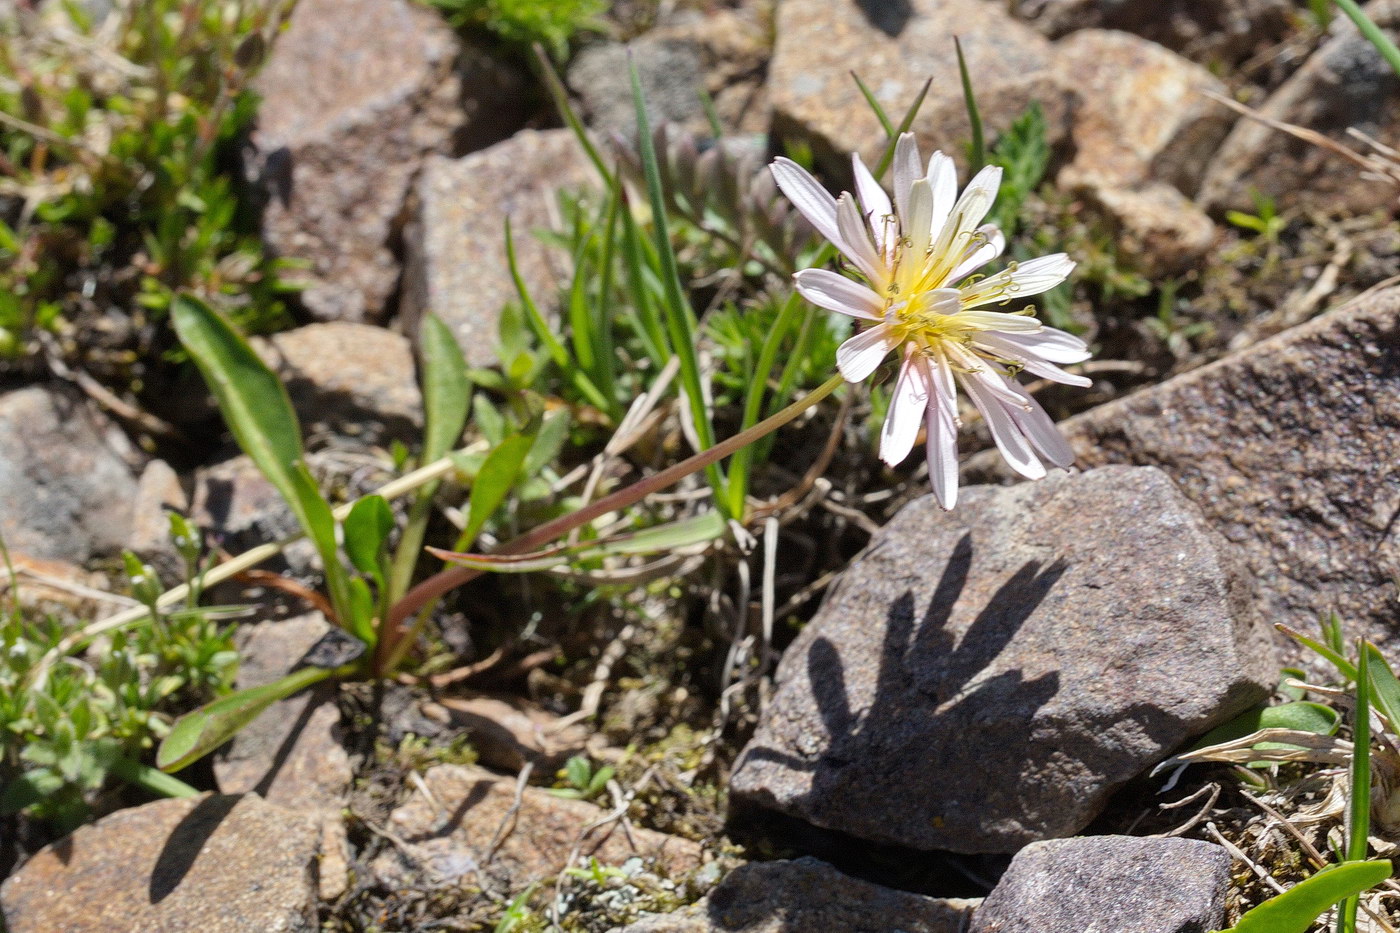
{"x": 1294, "y": 910}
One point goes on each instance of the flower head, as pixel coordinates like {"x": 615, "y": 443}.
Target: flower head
{"x": 923, "y": 296}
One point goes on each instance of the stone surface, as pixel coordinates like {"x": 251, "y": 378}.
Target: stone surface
{"x": 464, "y": 828}
{"x": 1156, "y": 227}
{"x": 349, "y": 380}
{"x": 238, "y": 508}
{"x": 807, "y": 896}
{"x": 895, "y": 47}
{"x": 66, "y": 486}
{"x": 158, "y": 492}
{"x": 217, "y": 864}
{"x": 1110, "y": 884}
{"x": 1343, "y": 84}
{"x": 508, "y": 731}
{"x": 456, "y": 257}
{"x": 354, "y": 94}
{"x": 671, "y": 72}
{"x": 1025, "y": 655}
{"x": 56, "y": 587}
{"x": 1208, "y": 31}
{"x": 1289, "y": 449}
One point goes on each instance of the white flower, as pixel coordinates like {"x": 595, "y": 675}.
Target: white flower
{"x": 921, "y": 295}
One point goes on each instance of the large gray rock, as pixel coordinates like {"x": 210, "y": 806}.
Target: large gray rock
{"x": 1208, "y": 31}
{"x": 456, "y": 255}
{"x": 217, "y": 864}
{"x": 350, "y": 380}
{"x": 1110, "y": 884}
{"x": 66, "y": 483}
{"x": 807, "y": 896}
{"x": 1289, "y": 449}
{"x": 983, "y": 678}
{"x": 355, "y": 94}
{"x": 894, "y": 48}
{"x": 1346, "y": 83}
{"x": 671, "y": 72}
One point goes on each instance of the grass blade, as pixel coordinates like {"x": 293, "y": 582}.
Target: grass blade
{"x": 1359, "y": 806}
{"x": 909, "y": 115}
{"x": 1372, "y": 32}
{"x": 977, "y": 151}
{"x": 560, "y": 95}
{"x": 880, "y": 114}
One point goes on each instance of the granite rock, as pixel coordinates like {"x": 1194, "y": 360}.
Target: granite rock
{"x": 894, "y": 48}
{"x": 1288, "y": 448}
{"x": 670, "y": 71}
{"x": 1110, "y": 884}
{"x": 218, "y": 864}
{"x": 1025, "y": 655}
{"x": 1345, "y": 83}
{"x": 348, "y": 380}
{"x": 66, "y": 481}
{"x": 456, "y": 258}
{"x": 807, "y": 896}
{"x": 355, "y": 93}
{"x": 466, "y": 825}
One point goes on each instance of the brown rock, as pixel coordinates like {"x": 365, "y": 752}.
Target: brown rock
{"x": 1289, "y": 449}
{"x": 351, "y": 380}
{"x": 355, "y": 94}
{"x": 216, "y": 864}
{"x": 66, "y": 486}
{"x": 1110, "y": 884}
{"x": 239, "y": 508}
{"x": 456, "y": 258}
{"x": 158, "y": 492}
{"x": 807, "y": 896}
{"x": 465, "y": 824}
{"x": 508, "y": 731}
{"x": 1158, "y": 229}
{"x": 895, "y": 47}
{"x": 1025, "y": 654}
{"x": 1346, "y": 83}
{"x": 54, "y": 586}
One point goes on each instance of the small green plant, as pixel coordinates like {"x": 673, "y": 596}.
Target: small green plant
{"x": 582, "y": 780}
{"x": 68, "y": 739}
{"x": 523, "y": 23}
{"x": 1266, "y": 223}
{"x": 1295, "y": 910}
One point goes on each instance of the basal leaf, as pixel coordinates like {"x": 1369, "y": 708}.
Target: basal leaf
{"x": 446, "y": 388}
{"x": 1294, "y": 910}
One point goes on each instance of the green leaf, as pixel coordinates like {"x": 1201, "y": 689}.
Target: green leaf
{"x": 977, "y": 148}
{"x": 1385, "y": 688}
{"x": 578, "y": 771}
{"x": 361, "y": 621}
{"x": 198, "y": 733}
{"x": 498, "y": 475}
{"x": 157, "y": 782}
{"x": 1294, "y": 910}
{"x": 1358, "y": 824}
{"x": 1373, "y": 33}
{"x": 367, "y": 527}
{"x": 446, "y": 388}
{"x": 874, "y": 105}
{"x": 554, "y": 431}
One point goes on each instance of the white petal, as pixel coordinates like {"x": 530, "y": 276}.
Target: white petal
{"x": 938, "y": 301}
{"x": 908, "y": 402}
{"x": 977, "y": 197}
{"x": 1020, "y": 280}
{"x": 1051, "y": 344}
{"x": 1042, "y": 433}
{"x": 873, "y": 200}
{"x": 855, "y": 240}
{"x": 807, "y": 195}
{"x": 858, "y": 356}
{"x": 906, "y": 169}
{"x": 916, "y": 225}
{"x": 1008, "y": 437}
{"x": 991, "y": 244}
{"x": 985, "y": 373}
{"x": 999, "y": 321}
{"x": 941, "y": 423}
{"x": 943, "y": 178}
{"x": 1003, "y": 348}
{"x": 826, "y": 289}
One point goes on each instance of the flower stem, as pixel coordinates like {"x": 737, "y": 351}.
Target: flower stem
{"x": 453, "y": 577}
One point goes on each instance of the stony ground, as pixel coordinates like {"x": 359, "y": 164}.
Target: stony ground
{"x": 946, "y": 706}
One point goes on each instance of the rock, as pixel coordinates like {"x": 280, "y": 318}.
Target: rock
{"x": 66, "y": 486}
{"x": 1208, "y": 31}
{"x": 55, "y": 587}
{"x": 894, "y": 48}
{"x": 508, "y": 731}
{"x": 158, "y": 492}
{"x": 462, "y": 825}
{"x": 238, "y": 509}
{"x": 289, "y": 754}
{"x": 336, "y": 155}
{"x": 1110, "y": 884}
{"x": 1346, "y": 83}
{"x": 1156, "y": 227}
{"x": 350, "y": 380}
{"x": 670, "y": 71}
{"x": 1025, "y": 654}
{"x": 807, "y": 896}
{"x": 212, "y": 863}
{"x": 1142, "y": 114}
{"x": 456, "y": 257}
{"x": 1288, "y": 448}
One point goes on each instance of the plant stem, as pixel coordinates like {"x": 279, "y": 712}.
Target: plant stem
{"x": 453, "y": 577}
